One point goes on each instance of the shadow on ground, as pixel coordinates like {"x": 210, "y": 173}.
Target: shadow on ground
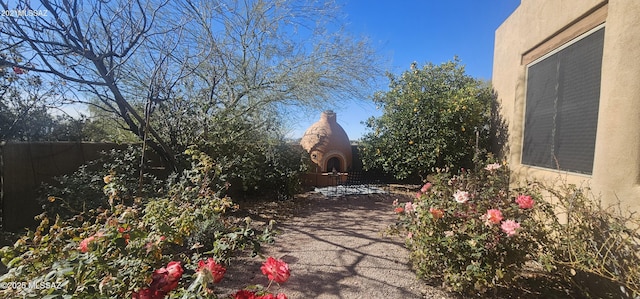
{"x": 336, "y": 248}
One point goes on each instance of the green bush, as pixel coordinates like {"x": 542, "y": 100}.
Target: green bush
{"x": 253, "y": 159}
{"x": 112, "y": 251}
{"x": 433, "y": 116}
{"x": 83, "y": 190}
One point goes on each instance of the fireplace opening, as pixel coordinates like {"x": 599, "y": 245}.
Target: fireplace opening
{"x": 334, "y": 164}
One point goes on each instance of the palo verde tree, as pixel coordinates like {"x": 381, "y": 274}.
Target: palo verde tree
{"x": 86, "y": 47}
{"x": 264, "y": 55}
{"x": 434, "y": 116}
{"x": 168, "y": 69}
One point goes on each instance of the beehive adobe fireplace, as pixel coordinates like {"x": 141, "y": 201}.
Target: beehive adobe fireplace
{"x": 329, "y": 149}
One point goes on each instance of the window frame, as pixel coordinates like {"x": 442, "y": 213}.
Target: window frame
{"x": 556, "y": 111}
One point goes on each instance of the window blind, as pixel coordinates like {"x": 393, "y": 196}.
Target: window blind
{"x": 562, "y": 101}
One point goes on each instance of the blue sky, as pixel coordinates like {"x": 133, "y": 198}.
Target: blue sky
{"x": 422, "y": 31}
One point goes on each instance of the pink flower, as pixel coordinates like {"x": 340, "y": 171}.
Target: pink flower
{"x": 510, "y": 227}
{"x": 525, "y": 201}
{"x": 493, "y": 216}
{"x": 84, "y": 244}
{"x": 492, "y": 167}
{"x": 426, "y": 187}
{"x": 409, "y": 207}
{"x": 217, "y": 271}
{"x": 461, "y": 196}
{"x": 281, "y": 296}
{"x": 436, "y": 213}
{"x": 276, "y": 270}
{"x": 410, "y": 235}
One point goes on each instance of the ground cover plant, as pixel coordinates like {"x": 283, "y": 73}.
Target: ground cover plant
{"x": 146, "y": 249}
{"x": 477, "y": 235}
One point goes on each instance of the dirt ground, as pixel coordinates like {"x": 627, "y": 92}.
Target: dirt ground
{"x": 337, "y": 248}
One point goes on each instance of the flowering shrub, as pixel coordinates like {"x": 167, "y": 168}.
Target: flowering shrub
{"x": 470, "y": 231}
{"x": 141, "y": 250}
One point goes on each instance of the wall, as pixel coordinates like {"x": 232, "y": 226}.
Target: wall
{"x": 536, "y": 23}
{"x": 26, "y": 165}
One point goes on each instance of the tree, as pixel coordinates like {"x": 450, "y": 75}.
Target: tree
{"x": 434, "y": 116}
{"x": 263, "y": 55}
{"x": 87, "y": 45}
{"x": 176, "y": 64}
{"x": 26, "y": 103}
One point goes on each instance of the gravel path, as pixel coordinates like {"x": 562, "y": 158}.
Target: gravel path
{"x": 336, "y": 248}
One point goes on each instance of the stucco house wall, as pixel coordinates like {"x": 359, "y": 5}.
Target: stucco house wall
{"x": 538, "y": 27}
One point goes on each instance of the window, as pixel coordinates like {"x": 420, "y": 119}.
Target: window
{"x": 562, "y": 99}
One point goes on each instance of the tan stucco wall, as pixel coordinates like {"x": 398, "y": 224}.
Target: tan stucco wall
{"x": 616, "y": 170}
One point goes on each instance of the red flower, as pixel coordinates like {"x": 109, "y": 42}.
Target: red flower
{"x": 276, "y": 270}
{"x": 217, "y": 270}
{"x": 18, "y": 70}
{"x": 525, "y": 201}
{"x": 399, "y": 210}
{"x": 266, "y": 296}
{"x": 166, "y": 279}
{"x": 281, "y": 296}
{"x": 436, "y": 213}
{"x": 148, "y": 294}
{"x": 244, "y": 294}
{"x": 122, "y": 231}
{"x": 175, "y": 270}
